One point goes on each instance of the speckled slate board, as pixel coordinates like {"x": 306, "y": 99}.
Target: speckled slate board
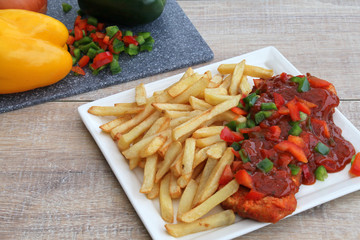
{"x": 178, "y": 44}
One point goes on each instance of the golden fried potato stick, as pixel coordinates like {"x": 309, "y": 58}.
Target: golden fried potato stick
{"x": 236, "y": 78}
{"x": 134, "y": 150}
{"x": 209, "y": 166}
{"x": 166, "y": 206}
{"x": 175, "y": 189}
{"x": 154, "y": 193}
{"x": 213, "y": 181}
{"x": 183, "y": 84}
{"x": 153, "y": 146}
{"x": 244, "y": 85}
{"x": 149, "y": 173}
{"x": 207, "y": 131}
{"x": 220, "y": 219}
{"x": 126, "y": 126}
{"x": 113, "y": 110}
{"x": 126, "y": 139}
{"x": 200, "y": 156}
{"x": 169, "y": 158}
{"x": 199, "y": 104}
{"x": 194, "y": 123}
{"x": 204, "y": 142}
{"x": 187, "y": 162}
{"x": 161, "y": 124}
{"x": 172, "y": 106}
{"x": 140, "y": 95}
{"x": 252, "y": 71}
{"x": 107, "y": 127}
{"x": 187, "y": 198}
{"x": 205, "y": 207}
{"x": 195, "y": 90}
{"x": 216, "y": 150}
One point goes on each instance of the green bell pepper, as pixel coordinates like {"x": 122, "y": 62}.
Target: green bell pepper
{"x": 124, "y": 12}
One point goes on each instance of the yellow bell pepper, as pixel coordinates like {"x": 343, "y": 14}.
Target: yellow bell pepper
{"x": 33, "y": 51}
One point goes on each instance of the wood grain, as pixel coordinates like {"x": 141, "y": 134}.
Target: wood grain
{"x": 55, "y": 183}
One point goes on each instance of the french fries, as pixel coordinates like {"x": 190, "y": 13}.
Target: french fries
{"x": 174, "y": 135}
{"x": 140, "y": 95}
{"x": 166, "y": 206}
{"x": 205, "y": 207}
{"x": 221, "y": 219}
{"x": 114, "y": 110}
{"x": 187, "y": 162}
{"x": 236, "y": 78}
{"x": 187, "y": 198}
{"x": 149, "y": 174}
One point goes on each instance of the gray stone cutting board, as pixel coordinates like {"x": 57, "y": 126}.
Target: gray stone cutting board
{"x": 177, "y": 45}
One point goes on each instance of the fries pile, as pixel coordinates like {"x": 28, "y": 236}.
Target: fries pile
{"x": 174, "y": 136}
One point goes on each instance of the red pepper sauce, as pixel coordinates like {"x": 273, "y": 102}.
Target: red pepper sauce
{"x": 318, "y": 127}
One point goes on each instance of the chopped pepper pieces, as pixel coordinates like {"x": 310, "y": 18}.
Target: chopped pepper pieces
{"x": 293, "y": 149}
{"x": 265, "y": 165}
{"x": 90, "y": 40}
{"x": 321, "y": 173}
{"x": 355, "y": 166}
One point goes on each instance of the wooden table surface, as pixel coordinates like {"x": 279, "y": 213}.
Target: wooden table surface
{"x": 56, "y": 184}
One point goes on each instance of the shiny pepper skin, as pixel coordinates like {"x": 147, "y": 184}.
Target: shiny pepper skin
{"x": 33, "y": 51}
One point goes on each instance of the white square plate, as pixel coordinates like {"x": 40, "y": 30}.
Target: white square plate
{"x": 336, "y": 185}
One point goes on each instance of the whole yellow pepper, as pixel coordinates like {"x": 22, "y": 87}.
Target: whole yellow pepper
{"x": 33, "y": 51}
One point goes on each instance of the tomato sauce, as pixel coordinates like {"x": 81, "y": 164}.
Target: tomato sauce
{"x": 317, "y": 127}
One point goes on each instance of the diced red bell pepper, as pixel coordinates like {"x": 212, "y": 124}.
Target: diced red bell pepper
{"x": 239, "y": 111}
{"x": 322, "y": 126}
{"x": 78, "y": 33}
{"x": 82, "y": 23}
{"x": 284, "y": 77}
{"x": 90, "y": 28}
{"x": 243, "y": 178}
{"x": 84, "y": 61}
{"x": 236, "y": 165}
{"x": 249, "y": 130}
{"x": 70, "y": 40}
{"x": 229, "y": 136}
{"x": 284, "y": 110}
{"x": 293, "y": 110}
{"x": 307, "y": 103}
{"x": 103, "y": 45}
{"x": 355, "y": 167}
{"x": 101, "y": 59}
{"x": 296, "y": 140}
{"x": 100, "y": 26}
{"x": 293, "y": 149}
{"x": 279, "y": 100}
{"x": 78, "y": 70}
{"x": 284, "y": 159}
{"x": 303, "y": 108}
{"x": 71, "y": 50}
{"x": 317, "y": 82}
{"x": 100, "y": 35}
{"x": 273, "y": 133}
{"x": 129, "y": 40}
{"x": 254, "y": 195}
{"x": 236, "y": 153}
{"x": 258, "y": 82}
{"x": 106, "y": 40}
{"x": 77, "y": 19}
{"x": 226, "y": 176}
{"x": 94, "y": 37}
